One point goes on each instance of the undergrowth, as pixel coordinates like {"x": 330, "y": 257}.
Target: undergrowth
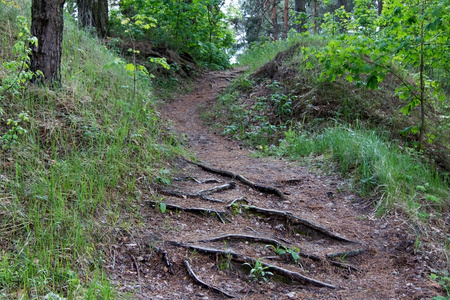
{"x": 71, "y": 162}
{"x": 282, "y": 108}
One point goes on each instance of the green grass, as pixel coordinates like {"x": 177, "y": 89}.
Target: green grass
{"x": 375, "y": 165}
{"x": 71, "y": 178}
{"x": 283, "y": 108}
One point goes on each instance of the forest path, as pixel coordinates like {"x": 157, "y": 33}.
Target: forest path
{"x": 216, "y": 221}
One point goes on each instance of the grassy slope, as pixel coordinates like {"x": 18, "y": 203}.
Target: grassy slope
{"x": 71, "y": 181}
{"x": 284, "y": 109}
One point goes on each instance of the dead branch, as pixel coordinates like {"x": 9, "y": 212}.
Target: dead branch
{"x": 345, "y": 254}
{"x": 210, "y": 199}
{"x": 217, "y": 189}
{"x": 137, "y": 270}
{"x": 202, "y": 283}
{"x": 242, "y": 179}
{"x": 296, "y": 220}
{"x": 221, "y": 215}
{"x": 244, "y": 259}
{"x": 237, "y": 200}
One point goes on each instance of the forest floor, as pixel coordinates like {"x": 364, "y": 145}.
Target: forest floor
{"x": 224, "y": 212}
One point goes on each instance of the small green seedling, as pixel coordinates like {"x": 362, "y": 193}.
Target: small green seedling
{"x": 282, "y": 250}
{"x": 258, "y": 271}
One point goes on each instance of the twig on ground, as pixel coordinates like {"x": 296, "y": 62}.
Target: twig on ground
{"x": 237, "y": 200}
{"x": 137, "y": 270}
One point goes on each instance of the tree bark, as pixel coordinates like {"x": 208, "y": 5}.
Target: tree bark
{"x": 300, "y": 8}
{"x": 275, "y": 19}
{"x": 94, "y": 13}
{"x": 315, "y": 16}
{"x": 380, "y": 7}
{"x": 47, "y": 24}
{"x": 286, "y": 19}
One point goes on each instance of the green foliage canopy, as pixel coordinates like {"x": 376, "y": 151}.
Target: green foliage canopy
{"x": 411, "y": 37}
{"x": 197, "y": 27}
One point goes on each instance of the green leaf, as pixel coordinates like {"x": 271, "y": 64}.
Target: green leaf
{"x": 162, "y": 207}
{"x": 406, "y": 110}
{"x": 130, "y": 67}
{"x": 372, "y": 82}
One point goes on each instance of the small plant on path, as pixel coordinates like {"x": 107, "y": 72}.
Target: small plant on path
{"x": 258, "y": 271}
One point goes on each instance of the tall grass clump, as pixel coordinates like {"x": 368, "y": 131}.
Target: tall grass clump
{"x": 377, "y": 167}
{"x": 72, "y": 162}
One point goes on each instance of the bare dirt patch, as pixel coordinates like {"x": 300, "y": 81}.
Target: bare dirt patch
{"x": 215, "y": 223}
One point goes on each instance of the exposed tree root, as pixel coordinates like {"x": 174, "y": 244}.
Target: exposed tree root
{"x": 244, "y": 259}
{"x": 246, "y": 238}
{"x": 221, "y": 215}
{"x": 204, "y": 284}
{"x": 242, "y": 179}
{"x": 201, "y": 194}
{"x": 296, "y": 220}
{"x": 263, "y": 240}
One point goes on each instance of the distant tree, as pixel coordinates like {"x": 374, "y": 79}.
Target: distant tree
{"x": 274, "y": 18}
{"x": 286, "y": 19}
{"x": 47, "y": 25}
{"x": 380, "y": 7}
{"x": 94, "y": 14}
{"x": 300, "y": 15}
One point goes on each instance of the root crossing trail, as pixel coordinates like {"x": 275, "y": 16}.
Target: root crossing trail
{"x": 233, "y": 215}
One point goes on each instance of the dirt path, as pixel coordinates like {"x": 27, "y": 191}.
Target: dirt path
{"x": 378, "y": 263}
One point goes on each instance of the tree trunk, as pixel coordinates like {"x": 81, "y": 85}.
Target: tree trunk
{"x": 94, "y": 13}
{"x": 286, "y": 19}
{"x": 380, "y": 7}
{"x": 275, "y": 20}
{"x": 100, "y": 13}
{"x": 315, "y": 16}
{"x": 422, "y": 84}
{"x": 300, "y": 10}
{"x": 47, "y": 24}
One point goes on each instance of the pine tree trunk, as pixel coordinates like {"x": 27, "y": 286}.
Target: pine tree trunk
{"x": 286, "y": 19}
{"x": 380, "y": 7}
{"x": 94, "y": 13}
{"x": 300, "y": 8}
{"x": 275, "y": 20}
{"x": 47, "y": 24}
{"x": 315, "y": 16}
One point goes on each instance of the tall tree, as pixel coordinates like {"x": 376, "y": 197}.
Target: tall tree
{"x": 94, "y": 13}
{"x": 380, "y": 7}
{"x": 300, "y": 13}
{"x": 286, "y": 19}
{"x": 47, "y": 24}
{"x": 274, "y": 18}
